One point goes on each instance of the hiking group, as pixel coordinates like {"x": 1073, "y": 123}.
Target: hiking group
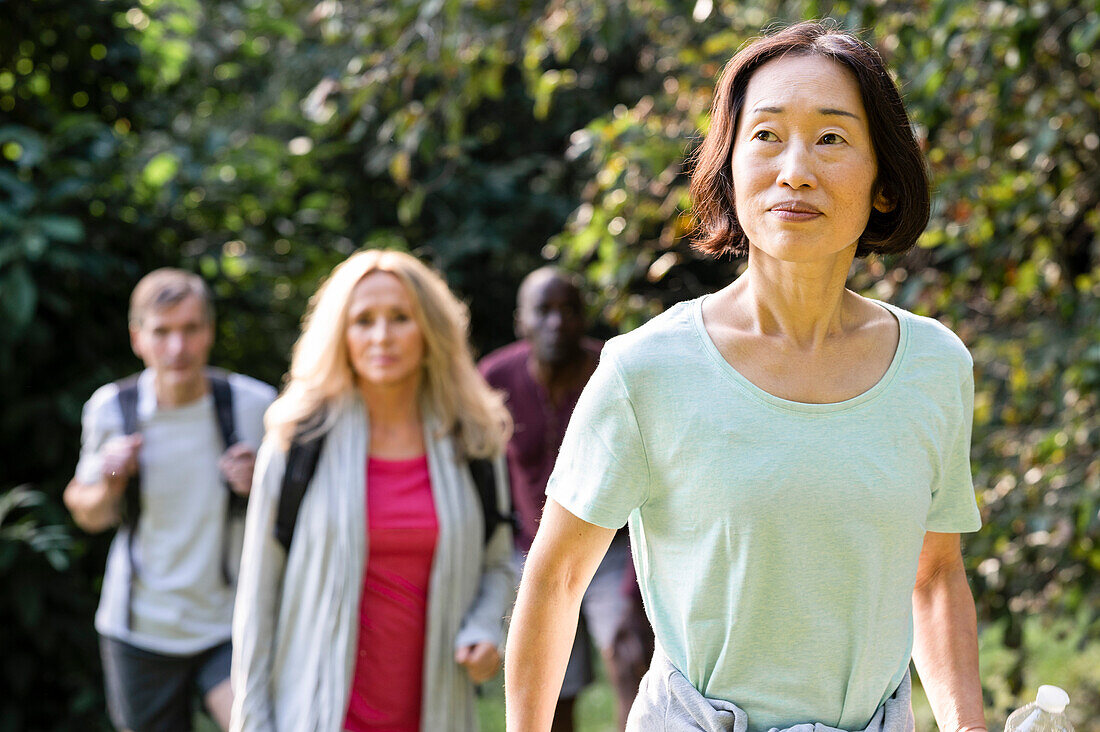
{"x": 380, "y": 492}
{"x": 791, "y": 460}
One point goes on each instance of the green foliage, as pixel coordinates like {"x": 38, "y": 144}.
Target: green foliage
{"x": 66, "y": 219}
{"x": 261, "y": 142}
{"x": 52, "y": 541}
{"x": 1059, "y": 651}
{"x": 46, "y": 615}
{"x": 68, "y": 256}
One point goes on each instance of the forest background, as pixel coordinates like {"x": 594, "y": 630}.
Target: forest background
{"x": 259, "y": 142}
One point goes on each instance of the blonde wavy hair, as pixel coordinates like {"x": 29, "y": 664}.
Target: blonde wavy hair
{"x": 321, "y": 379}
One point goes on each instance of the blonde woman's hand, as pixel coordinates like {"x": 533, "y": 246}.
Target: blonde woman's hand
{"x": 482, "y": 660}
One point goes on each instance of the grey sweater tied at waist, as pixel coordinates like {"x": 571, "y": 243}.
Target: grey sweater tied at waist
{"x": 667, "y": 702}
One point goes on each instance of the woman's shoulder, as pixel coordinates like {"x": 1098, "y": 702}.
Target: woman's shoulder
{"x": 662, "y": 338}
{"x": 928, "y": 336}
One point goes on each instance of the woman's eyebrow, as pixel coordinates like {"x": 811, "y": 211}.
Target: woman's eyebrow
{"x": 840, "y": 112}
{"x": 828, "y": 111}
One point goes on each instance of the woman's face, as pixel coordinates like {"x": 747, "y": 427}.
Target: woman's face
{"x": 385, "y": 345}
{"x": 803, "y": 165}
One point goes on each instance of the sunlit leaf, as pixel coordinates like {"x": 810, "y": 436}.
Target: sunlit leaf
{"x": 161, "y": 169}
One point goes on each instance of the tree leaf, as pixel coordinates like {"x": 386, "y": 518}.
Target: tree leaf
{"x": 33, "y": 144}
{"x": 18, "y": 298}
{"x": 161, "y": 169}
{"x": 61, "y": 228}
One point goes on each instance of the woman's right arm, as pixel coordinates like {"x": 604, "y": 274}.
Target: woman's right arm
{"x": 563, "y": 558}
{"x": 259, "y": 591}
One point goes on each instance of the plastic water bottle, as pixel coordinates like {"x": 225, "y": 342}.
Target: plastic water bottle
{"x": 1046, "y": 714}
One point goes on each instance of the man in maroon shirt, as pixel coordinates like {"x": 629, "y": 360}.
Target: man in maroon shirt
{"x": 543, "y": 375}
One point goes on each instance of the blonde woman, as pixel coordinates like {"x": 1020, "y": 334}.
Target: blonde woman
{"x": 388, "y": 605}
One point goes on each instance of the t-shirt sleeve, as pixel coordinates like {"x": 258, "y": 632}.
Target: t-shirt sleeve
{"x": 251, "y": 398}
{"x": 602, "y": 473}
{"x": 954, "y": 508}
{"x": 99, "y": 421}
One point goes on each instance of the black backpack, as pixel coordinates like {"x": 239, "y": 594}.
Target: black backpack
{"x": 301, "y": 463}
{"x": 131, "y": 504}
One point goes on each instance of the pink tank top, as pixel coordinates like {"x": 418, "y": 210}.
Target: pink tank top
{"x": 401, "y": 524}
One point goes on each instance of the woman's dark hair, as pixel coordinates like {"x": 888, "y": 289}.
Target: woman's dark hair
{"x": 902, "y": 177}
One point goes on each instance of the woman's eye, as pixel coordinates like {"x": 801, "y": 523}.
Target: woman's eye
{"x": 765, "y": 136}
{"x": 831, "y": 138}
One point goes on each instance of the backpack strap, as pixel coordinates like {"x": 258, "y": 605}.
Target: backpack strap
{"x": 127, "y": 404}
{"x": 301, "y": 463}
{"x": 481, "y": 470}
{"x": 223, "y": 405}
{"x": 131, "y": 497}
{"x": 227, "y": 427}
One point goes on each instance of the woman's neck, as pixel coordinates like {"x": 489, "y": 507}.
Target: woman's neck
{"x": 391, "y": 404}
{"x": 396, "y": 425}
{"x": 804, "y": 302}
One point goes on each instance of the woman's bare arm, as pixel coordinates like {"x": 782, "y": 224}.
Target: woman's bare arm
{"x": 945, "y": 641}
{"x": 563, "y": 558}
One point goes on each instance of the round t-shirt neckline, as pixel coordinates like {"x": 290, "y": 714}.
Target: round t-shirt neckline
{"x": 727, "y": 369}
{"x": 149, "y": 406}
{"x": 397, "y": 463}
{"x": 195, "y": 406}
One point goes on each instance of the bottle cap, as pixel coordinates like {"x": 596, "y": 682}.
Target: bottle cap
{"x": 1051, "y": 699}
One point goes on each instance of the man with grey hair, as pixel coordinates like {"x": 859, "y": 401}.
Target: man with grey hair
{"x": 167, "y": 456}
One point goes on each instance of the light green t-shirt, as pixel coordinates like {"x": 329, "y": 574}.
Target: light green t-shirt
{"x": 776, "y": 542}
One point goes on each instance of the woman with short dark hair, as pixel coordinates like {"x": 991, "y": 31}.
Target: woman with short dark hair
{"x": 901, "y": 179}
{"x": 792, "y": 458}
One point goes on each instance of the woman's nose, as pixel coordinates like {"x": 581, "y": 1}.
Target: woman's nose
{"x": 380, "y": 330}
{"x": 796, "y": 168}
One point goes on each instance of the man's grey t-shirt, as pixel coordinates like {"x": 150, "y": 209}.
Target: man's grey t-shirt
{"x": 776, "y": 542}
{"x": 181, "y": 604}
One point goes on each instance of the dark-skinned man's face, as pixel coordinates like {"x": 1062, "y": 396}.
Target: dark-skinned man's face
{"x": 551, "y": 319}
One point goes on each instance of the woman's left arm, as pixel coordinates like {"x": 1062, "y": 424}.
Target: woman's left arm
{"x": 945, "y": 635}
{"x": 483, "y": 624}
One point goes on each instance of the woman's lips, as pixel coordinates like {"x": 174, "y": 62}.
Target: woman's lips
{"x": 794, "y": 211}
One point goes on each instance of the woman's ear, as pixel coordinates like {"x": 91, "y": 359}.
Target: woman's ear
{"x": 882, "y": 203}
